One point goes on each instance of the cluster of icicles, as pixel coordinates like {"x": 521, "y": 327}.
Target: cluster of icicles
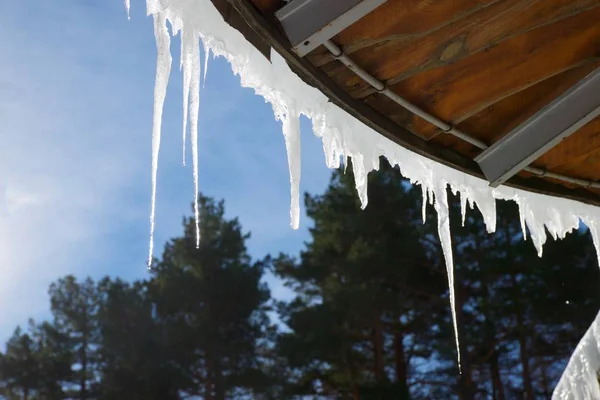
{"x": 343, "y": 136}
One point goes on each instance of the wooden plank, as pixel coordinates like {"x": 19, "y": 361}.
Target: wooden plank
{"x": 481, "y": 80}
{"x": 457, "y": 144}
{"x": 400, "y": 19}
{"x": 392, "y": 110}
{"x": 404, "y": 56}
{"x": 490, "y": 122}
{"x": 268, "y": 7}
{"x": 584, "y": 168}
{"x": 576, "y": 152}
{"x": 493, "y": 122}
{"x": 406, "y": 17}
{"x": 576, "y": 155}
{"x": 345, "y": 78}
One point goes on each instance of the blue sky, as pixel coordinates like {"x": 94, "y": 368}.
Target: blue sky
{"x": 76, "y": 87}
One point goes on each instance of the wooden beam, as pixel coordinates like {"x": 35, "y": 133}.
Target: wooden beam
{"x": 403, "y": 57}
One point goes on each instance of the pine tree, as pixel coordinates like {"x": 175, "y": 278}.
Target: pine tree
{"x": 212, "y": 303}
{"x": 36, "y": 364}
{"x": 133, "y": 354}
{"x": 74, "y": 306}
{"x": 368, "y": 288}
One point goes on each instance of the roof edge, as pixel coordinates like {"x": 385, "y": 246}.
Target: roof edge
{"x": 271, "y": 35}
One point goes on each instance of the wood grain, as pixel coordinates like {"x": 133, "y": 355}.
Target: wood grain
{"x": 400, "y": 19}
{"x": 493, "y": 122}
{"x": 479, "y": 81}
{"x": 401, "y": 56}
{"x": 577, "y": 152}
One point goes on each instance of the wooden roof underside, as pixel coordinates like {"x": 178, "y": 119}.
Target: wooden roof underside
{"x": 483, "y": 65}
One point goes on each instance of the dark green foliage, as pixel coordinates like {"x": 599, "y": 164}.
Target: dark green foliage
{"x": 135, "y": 362}
{"x": 74, "y": 307}
{"x": 36, "y": 364}
{"x": 370, "y": 318}
{"x": 212, "y": 305}
{"x": 366, "y": 283}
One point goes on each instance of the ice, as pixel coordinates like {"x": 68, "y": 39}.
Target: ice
{"x": 522, "y": 221}
{"x": 163, "y": 69}
{"x": 463, "y": 208}
{"x": 291, "y": 133}
{"x": 443, "y": 222}
{"x": 424, "y": 206}
{"x": 185, "y": 65}
{"x": 594, "y": 232}
{"x": 206, "y": 56}
{"x": 194, "y": 106}
{"x": 343, "y": 136}
{"x": 579, "y": 381}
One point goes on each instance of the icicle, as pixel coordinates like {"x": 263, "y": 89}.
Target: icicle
{"x": 522, "y": 220}
{"x": 443, "y": 215}
{"x": 360, "y": 179}
{"x": 127, "y": 7}
{"x": 194, "y": 107}
{"x": 595, "y": 239}
{"x": 344, "y": 136}
{"x": 185, "y": 65}
{"x": 291, "y": 133}
{"x": 463, "y": 207}
{"x": 206, "y": 56}
{"x": 163, "y": 69}
{"x": 424, "y": 205}
{"x": 579, "y": 381}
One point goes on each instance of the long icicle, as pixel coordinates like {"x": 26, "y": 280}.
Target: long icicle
{"x": 163, "y": 69}
{"x": 194, "y": 107}
{"x": 206, "y": 56}
{"x": 443, "y": 218}
{"x": 424, "y": 205}
{"x": 291, "y": 133}
{"x": 463, "y": 208}
{"x": 185, "y": 65}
